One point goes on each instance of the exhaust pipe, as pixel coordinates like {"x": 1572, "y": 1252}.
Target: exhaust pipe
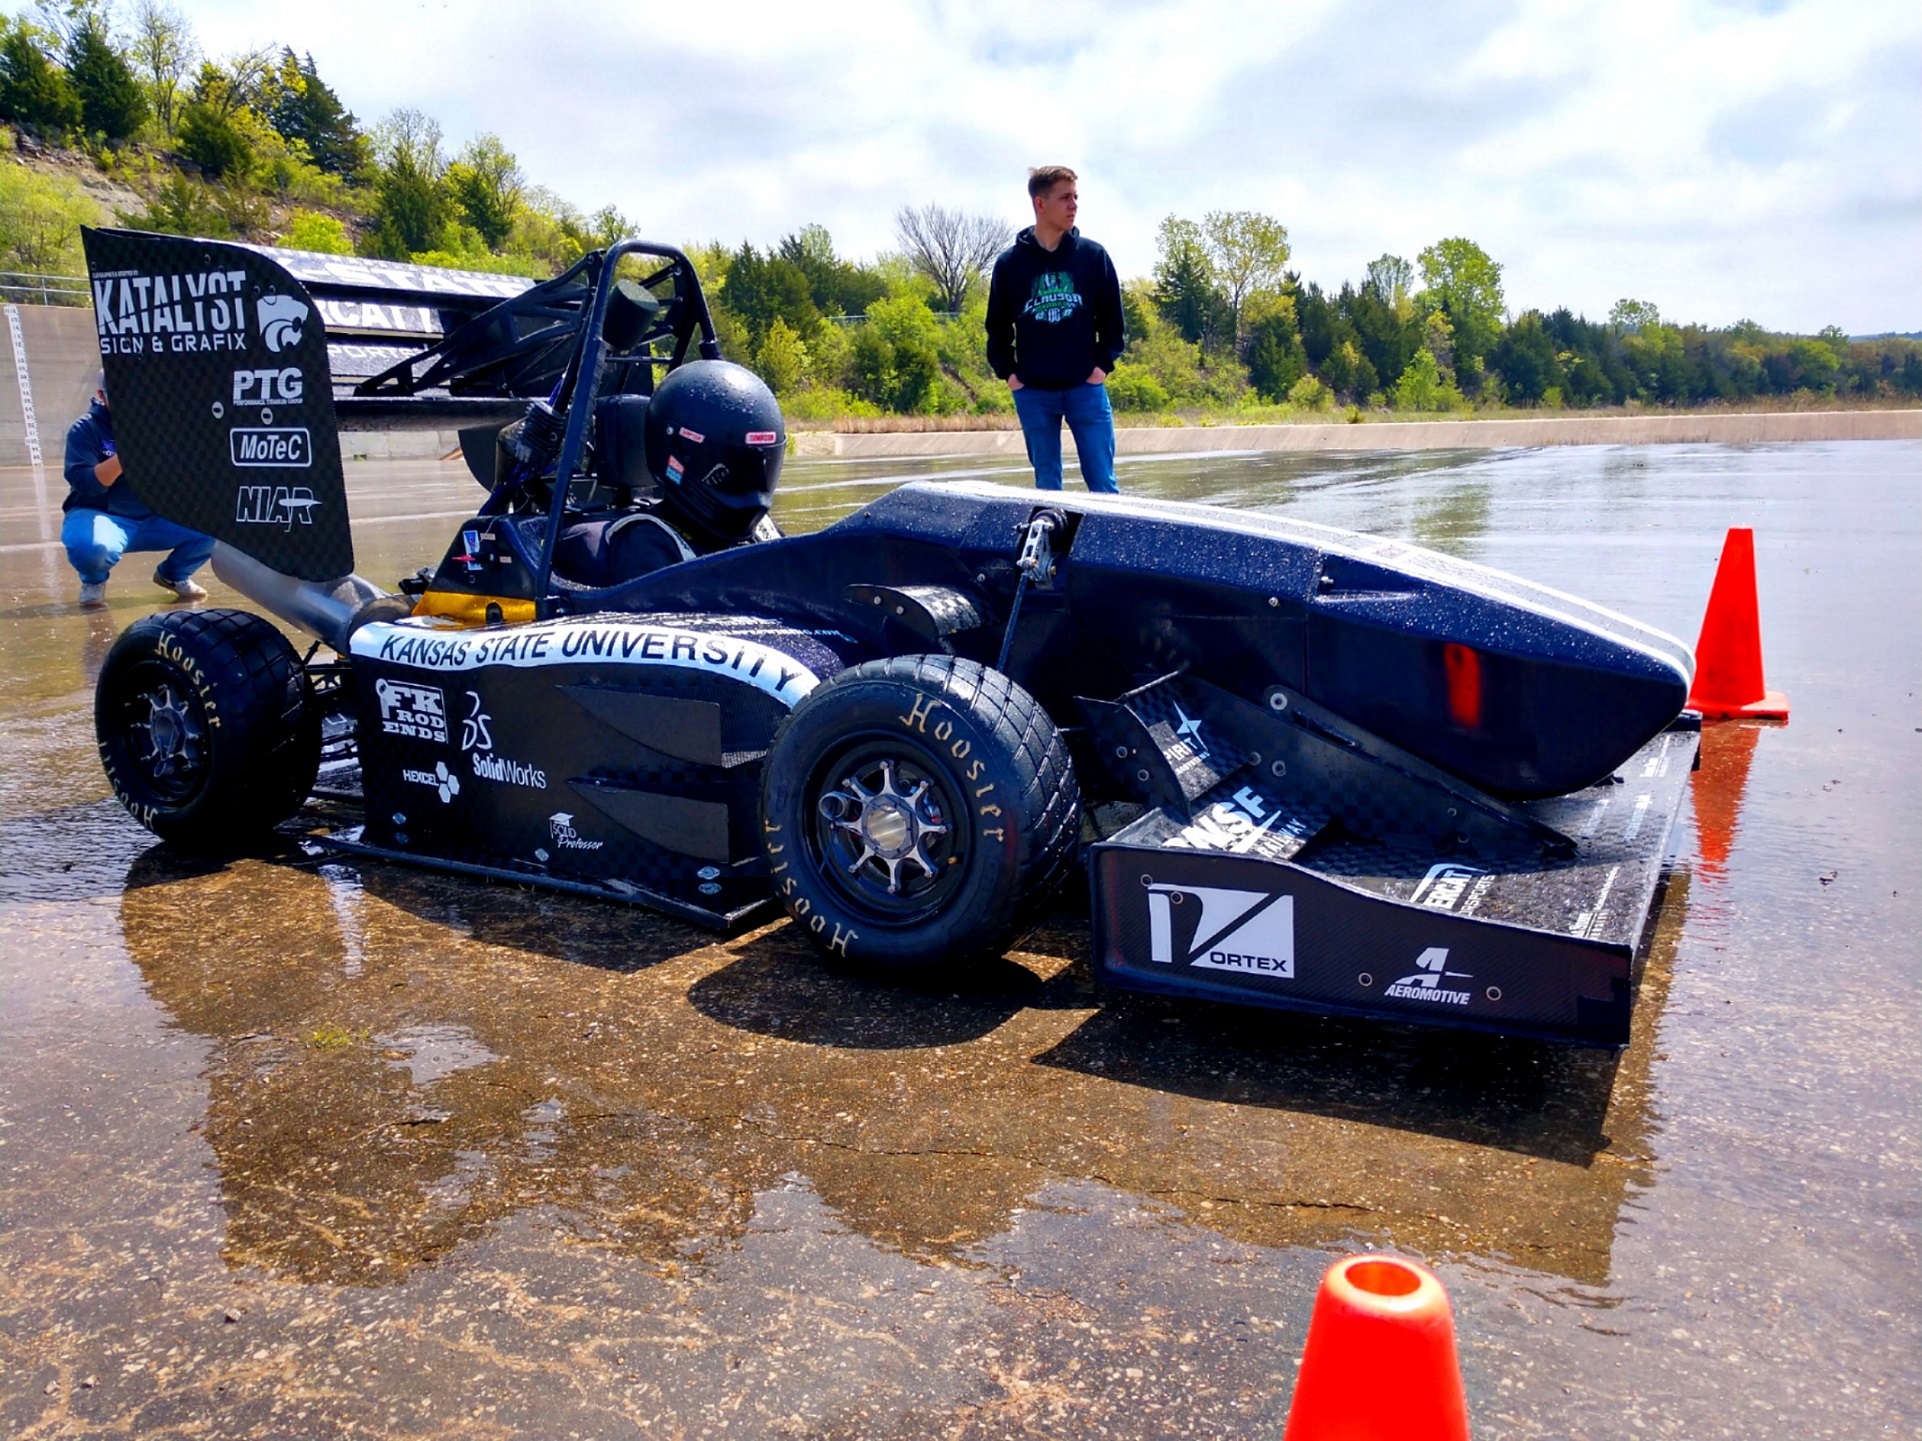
{"x": 321, "y": 608}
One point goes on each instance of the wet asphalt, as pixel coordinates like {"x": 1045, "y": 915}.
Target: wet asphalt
{"x": 296, "y": 1146}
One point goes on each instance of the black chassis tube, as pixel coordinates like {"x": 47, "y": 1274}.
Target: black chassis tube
{"x": 587, "y": 374}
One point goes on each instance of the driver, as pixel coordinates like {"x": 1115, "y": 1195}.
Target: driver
{"x": 715, "y": 442}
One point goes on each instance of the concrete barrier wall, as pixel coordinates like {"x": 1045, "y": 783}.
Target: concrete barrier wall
{"x": 1684, "y": 428}
{"x": 63, "y": 359}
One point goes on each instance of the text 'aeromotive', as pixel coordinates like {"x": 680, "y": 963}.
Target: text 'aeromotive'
{"x": 1306, "y": 768}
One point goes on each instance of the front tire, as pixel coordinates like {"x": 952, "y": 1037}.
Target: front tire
{"x": 917, "y": 812}
{"x": 207, "y": 725}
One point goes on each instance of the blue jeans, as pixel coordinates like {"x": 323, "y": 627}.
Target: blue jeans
{"x": 95, "y": 541}
{"x": 1085, "y": 408}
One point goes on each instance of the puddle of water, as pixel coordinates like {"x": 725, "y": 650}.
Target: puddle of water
{"x": 399, "y": 1123}
{"x": 432, "y": 1052}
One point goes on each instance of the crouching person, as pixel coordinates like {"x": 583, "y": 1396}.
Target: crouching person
{"x": 105, "y": 519}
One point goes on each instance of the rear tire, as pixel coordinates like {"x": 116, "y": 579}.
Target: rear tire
{"x": 207, "y": 725}
{"x": 917, "y": 813}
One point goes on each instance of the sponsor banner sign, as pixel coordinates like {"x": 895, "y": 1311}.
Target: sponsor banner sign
{"x": 222, "y": 401}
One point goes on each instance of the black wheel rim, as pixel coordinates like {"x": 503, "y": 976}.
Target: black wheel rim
{"x": 162, "y": 729}
{"x": 887, "y": 829}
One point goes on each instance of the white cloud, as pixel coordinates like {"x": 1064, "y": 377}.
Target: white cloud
{"x": 1720, "y": 159}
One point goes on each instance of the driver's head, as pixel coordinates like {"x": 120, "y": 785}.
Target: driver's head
{"x": 715, "y": 443}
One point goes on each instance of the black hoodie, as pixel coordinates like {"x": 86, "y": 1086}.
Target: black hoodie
{"x": 1053, "y": 315}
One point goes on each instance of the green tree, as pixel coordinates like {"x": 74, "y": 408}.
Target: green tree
{"x": 34, "y": 92}
{"x": 40, "y": 220}
{"x": 1461, "y": 281}
{"x": 322, "y": 233}
{"x": 1527, "y": 360}
{"x": 1187, "y": 291}
{"x": 1249, "y": 253}
{"x": 218, "y": 129}
{"x": 783, "y": 360}
{"x": 111, "y": 103}
{"x": 164, "y": 51}
{"x": 486, "y": 184}
{"x": 411, "y": 206}
{"x": 1132, "y": 388}
{"x": 1386, "y": 323}
{"x": 1346, "y": 370}
{"x": 760, "y": 289}
{"x": 607, "y": 225}
{"x": 837, "y": 286}
{"x": 304, "y": 108}
{"x": 1423, "y": 386}
{"x": 896, "y": 362}
{"x": 1631, "y": 316}
{"x": 1274, "y": 354}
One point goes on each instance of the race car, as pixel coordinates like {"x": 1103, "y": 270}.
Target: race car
{"x": 1302, "y": 768}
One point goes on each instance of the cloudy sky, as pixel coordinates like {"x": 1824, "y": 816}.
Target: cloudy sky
{"x": 1748, "y": 158}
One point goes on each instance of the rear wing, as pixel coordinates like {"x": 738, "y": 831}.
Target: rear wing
{"x": 231, "y": 369}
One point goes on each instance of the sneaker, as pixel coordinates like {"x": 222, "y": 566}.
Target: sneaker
{"x": 185, "y": 589}
{"x": 93, "y": 593}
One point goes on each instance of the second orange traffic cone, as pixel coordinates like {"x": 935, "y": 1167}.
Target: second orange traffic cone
{"x": 1728, "y": 656}
{"x": 1380, "y": 1363}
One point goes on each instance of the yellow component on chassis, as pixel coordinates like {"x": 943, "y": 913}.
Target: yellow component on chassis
{"x": 475, "y": 609}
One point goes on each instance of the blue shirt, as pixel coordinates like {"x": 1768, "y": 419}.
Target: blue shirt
{"x": 90, "y": 441}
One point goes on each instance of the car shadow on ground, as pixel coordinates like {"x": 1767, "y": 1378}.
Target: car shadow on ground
{"x": 1532, "y": 1097}
{"x": 781, "y": 987}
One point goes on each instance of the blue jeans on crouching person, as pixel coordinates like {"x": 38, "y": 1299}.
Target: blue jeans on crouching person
{"x": 95, "y": 541}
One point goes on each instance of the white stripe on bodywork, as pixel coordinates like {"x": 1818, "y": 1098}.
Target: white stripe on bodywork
{"x": 423, "y": 645}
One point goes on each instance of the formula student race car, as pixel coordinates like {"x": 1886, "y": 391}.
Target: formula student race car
{"x": 1305, "y": 768}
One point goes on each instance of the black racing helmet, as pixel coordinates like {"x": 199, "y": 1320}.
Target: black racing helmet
{"x": 715, "y": 442}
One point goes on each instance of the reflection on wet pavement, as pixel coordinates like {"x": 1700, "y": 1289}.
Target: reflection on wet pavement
{"x": 295, "y": 1146}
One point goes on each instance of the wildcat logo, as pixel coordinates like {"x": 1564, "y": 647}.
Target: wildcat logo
{"x": 279, "y": 505}
{"x": 1426, "y": 983}
{"x": 1250, "y": 932}
{"x": 281, "y": 318}
{"x": 416, "y": 711}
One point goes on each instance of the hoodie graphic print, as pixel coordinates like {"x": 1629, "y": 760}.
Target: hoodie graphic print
{"x": 1053, "y": 315}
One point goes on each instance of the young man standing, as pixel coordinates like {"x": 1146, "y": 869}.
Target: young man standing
{"x": 1054, "y": 330}
{"x": 105, "y": 519}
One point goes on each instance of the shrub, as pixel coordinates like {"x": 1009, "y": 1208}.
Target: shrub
{"x": 322, "y": 233}
{"x": 40, "y": 220}
{"x": 1133, "y": 388}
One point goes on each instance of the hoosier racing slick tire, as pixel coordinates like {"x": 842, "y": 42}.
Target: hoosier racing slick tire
{"x": 917, "y": 812}
{"x": 207, "y": 725}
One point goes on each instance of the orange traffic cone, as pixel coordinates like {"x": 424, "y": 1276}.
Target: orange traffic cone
{"x": 1728, "y": 656}
{"x": 1380, "y": 1363}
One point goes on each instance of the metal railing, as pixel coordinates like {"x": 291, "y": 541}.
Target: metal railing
{"x": 23, "y": 287}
